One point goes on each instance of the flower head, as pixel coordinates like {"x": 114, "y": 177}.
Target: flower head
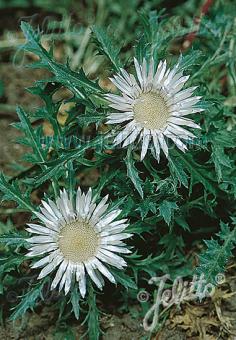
{"x": 153, "y": 107}
{"x": 78, "y": 240}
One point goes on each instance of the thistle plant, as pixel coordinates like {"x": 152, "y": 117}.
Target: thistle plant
{"x": 155, "y": 105}
{"x": 77, "y": 240}
{"x": 161, "y": 143}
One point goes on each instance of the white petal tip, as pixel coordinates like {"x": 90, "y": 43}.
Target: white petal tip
{"x": 52, "y": 287}
{"x": 34, "y": 266}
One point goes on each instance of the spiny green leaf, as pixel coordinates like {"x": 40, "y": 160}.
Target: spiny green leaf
{"x": 177, "y": 171}
{"x": 220, "y": 159}
{"x": 29, "y": 300}
{"x": 167, "y": 209}
{"x": 147, "y": 205}
{"x": 75, "y": 297}
{"x": 132, "y": 173}
{"x": 93, "y": 316}
{"x": 12, "y": 192}
{"x": 106, "y": 46}
{"x": 123, "y": 279}
{"x": 217, "y": 254}
{"x": 76, "y": 82}
{"x": 31, "y": 135}
{"x": 10, "y": 263}
{"x": 13, "y": 239}
{"x": 198, "y": 173}
{"x": 73, "y": 154}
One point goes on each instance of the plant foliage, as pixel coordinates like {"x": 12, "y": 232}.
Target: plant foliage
{"x": 188, "y": 196}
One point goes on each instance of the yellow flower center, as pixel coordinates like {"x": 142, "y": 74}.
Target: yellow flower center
{"x": 151, "y": 110}
{"x": 78, "y": 241}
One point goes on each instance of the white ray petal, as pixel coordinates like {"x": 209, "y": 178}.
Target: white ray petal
{"x": 121, "y": 107}
{"x": 118, "y": 99}
{"x": 179, "y": 84}
{"x": 66, "y": 205}
{"x": 91, "y": 210}
{"x": 82, "y": 205}
{"x": 50, "y": 267}
{"x": 46, "y": 259}
{"x": 55, "y": 209}
{"x": 145, "y": 142}
{"x": 156, "y": 76}
{"x": 108, "y": 230}
{"x": 98, "y": 274}
{"x": 42, "y": 249}
{"x": 163, "y": 144}
{"x": 117, "y": 249}
{"x": 78, "y": 201}
{"x": 125, "y": 133}
{"x": 123, "y": 80}
{"x": 50, "y": 210}
{"x": 82, "y": 286}
{"x": 116, "y": 223}
{"x": 126, "y": 76}
{"x": 150, "y": 71}
{"x": 173, "y": 81}
{"x": 180, "y": 132}
{"x": 184, "y": 122}
{"x": 107, "y": 219}
{"x": 121, "y": 86}
{"x": 92, "y": 274}
{"x": 105, "y": 258}
{"x": 88, "y": 199}
{"x": 162, "y": 71}
{"x": 115, "y": 237}
{"x": 156, "y": 145}
{"x": 144, "y": 73}
{"x": 63, "y": 279}
{"x": 182, "y": 95}
{"x": 48, "y": 223}
{"x": 117, "y": 260}
{"x": 100, "y": 209}
{"x": 120, "y": 118}
{"x": 170, "y": 76}
{"x": 163, "y": 81}
{"x": 59, "y": 274}
{"x": 104, "y": 270}
{"x": 136, "y": 88}
{"x": 42, "y": 239}
{"x": 68, "y": 280}
{"x": 39, "y": 229}
{"x": 79, "y": 271}
{"x": 80, "y": 277}
{"x": 131, "y": 138}
{"x": 47, "y": 215}
{"x": 117, "y": 115}
{"x": 138, "y": 72}
{"x": 176, "y": 140}
{"x": 189, "y": 111}
{"x": 42, "y": 262}
{"x": 95, "y": 218}
{"x": 189, "y": 102}
{"x": 119, "y": 78}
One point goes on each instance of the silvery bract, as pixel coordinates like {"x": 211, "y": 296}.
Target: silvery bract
{"x": 153, "y": 106}
{"x": 78, "y": 240}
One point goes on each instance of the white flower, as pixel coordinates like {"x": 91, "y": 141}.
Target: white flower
{"x": 153, "y": 107}
{"x": 78, "y": 240}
